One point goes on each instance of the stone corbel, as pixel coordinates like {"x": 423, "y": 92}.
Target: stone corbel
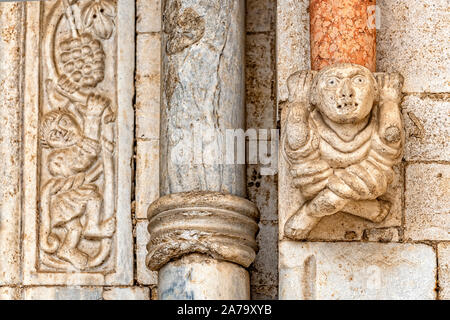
{"x": 342, "y": 135}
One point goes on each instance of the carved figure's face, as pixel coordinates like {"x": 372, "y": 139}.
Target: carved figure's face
{"x": 345, "y": 93}
{"x": 60, "y": 130}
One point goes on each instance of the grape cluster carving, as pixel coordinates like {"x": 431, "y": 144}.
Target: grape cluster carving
{"x": 82, "y": 61}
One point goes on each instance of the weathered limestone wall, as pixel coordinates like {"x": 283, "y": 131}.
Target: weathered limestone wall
{"x": 413, "y": 238}
{"x": 11, "y": 48}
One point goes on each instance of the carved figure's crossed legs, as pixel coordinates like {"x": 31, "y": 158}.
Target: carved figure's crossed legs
{"x": 328, "y": 203}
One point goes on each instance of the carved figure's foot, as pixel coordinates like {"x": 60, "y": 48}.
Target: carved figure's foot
{"x": 300, "y": 225}
{"x": 100, "y": 231}
{"x": 77, "y": 258}
{"x": 385, "y": 208}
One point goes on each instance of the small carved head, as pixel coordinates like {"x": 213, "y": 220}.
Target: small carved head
{"x": 344, "y": 93}
{"x": 59, "y": 129}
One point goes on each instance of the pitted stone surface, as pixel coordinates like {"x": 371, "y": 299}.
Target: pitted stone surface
{"x": 427, "y": 195}
{"x": 8, "y": 293}
{"x": 293, "y": 50}
{"x": 413, "y": 40}
{"x": 144, "y": 275}
{"x": 132, "y": 293}
{"x": 62, "y": 293}
{"x": 444, "y": 270}
{"x": 322, "y": 270}
{"x": 11, "y": 29}
{"x": 148, "y": 16}
{"x": 427, "y": 125}
{"x": 260, "y": 15}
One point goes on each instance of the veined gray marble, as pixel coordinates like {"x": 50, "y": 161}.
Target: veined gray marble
{"x": 197, "y": 277}
{"x": 203, "y": 81}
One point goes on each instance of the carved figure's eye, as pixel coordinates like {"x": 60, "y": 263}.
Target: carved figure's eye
{"x": 63, "y": 121}
{"x": 359, "y": 80}
{"x": 55, "y": 135}
{"x": 332, "y": 82}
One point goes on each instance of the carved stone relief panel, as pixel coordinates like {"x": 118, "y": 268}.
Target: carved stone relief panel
{"x": 342, "y": 134}
{"x": 78, "y": 142}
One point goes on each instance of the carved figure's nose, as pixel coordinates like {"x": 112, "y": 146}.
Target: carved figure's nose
{"x": 346, "y": 90}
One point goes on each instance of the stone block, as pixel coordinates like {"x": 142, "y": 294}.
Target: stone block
{"x": 62, "y": 293}
{"x": 260, "y": 81}
{"x": 264, "y": 270}
{"x": 356, "y": 271}
{"x": 148, "y": 13}
{"x": 427, "y": 195}
{"x": 9, "y": 293}
{"x": 144, "y": 275}
{"x": 444, "y": 270}
{"x": 262, "y": 190}
{"x": 260, "y": 15}
{"x": 132, "y": 293}
{"x": 427, "y": 125}
{"x": 413, "y": 40}
{"x": 264, "y": 292}
{"x": 147, "y": 176}
{"x": 293, "y": 49}
{"x": 148, "y": 69}
{"x": 11, "y": 26}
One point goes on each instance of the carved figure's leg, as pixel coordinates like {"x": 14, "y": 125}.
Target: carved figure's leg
{"x": 68, "y": 250}
{"x": 300, "y": 224}
{"x": 325, "y": 203}
{"x": 94, "y": 229}
{"x": 303, "y": 221}
{"x": 373, "y": 210}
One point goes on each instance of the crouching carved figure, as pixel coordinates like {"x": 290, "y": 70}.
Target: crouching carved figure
{"x": 342, "y": 136}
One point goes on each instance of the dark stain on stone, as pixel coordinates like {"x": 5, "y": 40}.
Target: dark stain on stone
{"x": 183, "y": 28}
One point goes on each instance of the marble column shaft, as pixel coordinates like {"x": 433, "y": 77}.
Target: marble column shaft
{"x": 202, "y": 225}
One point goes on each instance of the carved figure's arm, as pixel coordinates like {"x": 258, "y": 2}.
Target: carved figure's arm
{"x": 49, "y": 242}
{"x": 297, "y": 128}
{"x": 92, "y": 113}
{"x": 299, "y": 141}
{"x": 390, "y": 118}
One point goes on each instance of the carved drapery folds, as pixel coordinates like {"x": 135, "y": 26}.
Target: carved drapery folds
{"x": 341, "y": 137}
{"x": 77, "y": 160}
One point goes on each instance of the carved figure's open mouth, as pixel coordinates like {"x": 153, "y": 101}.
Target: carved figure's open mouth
{"x": 347, "y": 105}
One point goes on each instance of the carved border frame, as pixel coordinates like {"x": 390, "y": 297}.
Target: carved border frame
{"x": 123, "y": 274}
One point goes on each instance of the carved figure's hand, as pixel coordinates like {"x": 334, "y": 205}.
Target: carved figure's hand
{"x": 65, "y": 86}
{"x": 299, "y": 86}
{"x": 390, "y": 85}
{"x": 109, "y": 116}
{"x": 96, "y": 105}
{"x": 297, "y": 129}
